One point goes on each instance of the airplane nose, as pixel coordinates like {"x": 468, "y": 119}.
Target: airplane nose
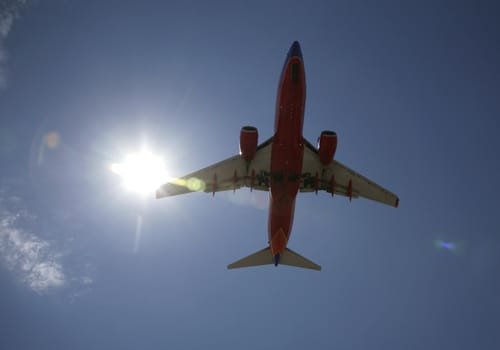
{"x": 295, "y": 50}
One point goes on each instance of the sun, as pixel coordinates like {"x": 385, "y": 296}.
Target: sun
{"x": 141, "y": 172}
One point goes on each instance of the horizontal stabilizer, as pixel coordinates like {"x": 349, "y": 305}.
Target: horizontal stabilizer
{"x": 264, "y": 257}
{"x": 292, "y": 258}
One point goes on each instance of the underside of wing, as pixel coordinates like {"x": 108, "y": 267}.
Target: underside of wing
{"x": 337, "y": 178}
{"x": 229, "y": 174}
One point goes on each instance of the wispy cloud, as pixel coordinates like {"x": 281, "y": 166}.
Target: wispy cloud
{"x": 27, "y": 255}
{"x": 43, "y": 265}
{"x": 9, "y": 11}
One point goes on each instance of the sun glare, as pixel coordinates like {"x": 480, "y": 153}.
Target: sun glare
{"x": 141, "y": 172}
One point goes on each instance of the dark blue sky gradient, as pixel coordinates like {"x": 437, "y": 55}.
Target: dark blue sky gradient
{"x": 412, "y": 90}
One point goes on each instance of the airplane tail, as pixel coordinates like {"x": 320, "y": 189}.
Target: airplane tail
{"x": 264, "y": 257}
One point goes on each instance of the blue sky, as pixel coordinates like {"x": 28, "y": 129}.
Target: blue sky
{"x": 410, "y": 88}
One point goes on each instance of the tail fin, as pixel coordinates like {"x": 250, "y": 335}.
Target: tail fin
{"x": 264, "y": 257}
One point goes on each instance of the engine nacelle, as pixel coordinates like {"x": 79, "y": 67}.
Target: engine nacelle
{"x": 327, "y": 145}
{"x": 249, "y": 137}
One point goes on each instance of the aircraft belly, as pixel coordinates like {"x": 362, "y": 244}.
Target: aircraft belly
{"x": 281, "y": 212}
{"x": 286, "y": 165}
{"x": 287, "y": 155}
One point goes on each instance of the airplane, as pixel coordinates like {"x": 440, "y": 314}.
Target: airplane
{"x": 284, "y": 165}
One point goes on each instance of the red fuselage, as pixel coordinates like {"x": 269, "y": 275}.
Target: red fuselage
{"x": 287, "y": 150}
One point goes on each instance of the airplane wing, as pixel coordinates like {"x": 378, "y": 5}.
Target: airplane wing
{"x": 229, "y": 174}
{"x": 339, "y": 179}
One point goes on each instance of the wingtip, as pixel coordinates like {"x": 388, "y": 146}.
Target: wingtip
{"x": 396, "y": 204}
{"x": 231, "y": 266}
{"x": 159, "y": 193}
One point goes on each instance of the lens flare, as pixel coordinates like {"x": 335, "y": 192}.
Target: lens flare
{"x": 194, "y": 184}
{"x": 52, "y": 139}
{"x": 141, "y": 172}
{"x": 453, "y": 247}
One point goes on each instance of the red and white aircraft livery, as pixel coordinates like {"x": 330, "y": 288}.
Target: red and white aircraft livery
{"x": 283, "y": 165}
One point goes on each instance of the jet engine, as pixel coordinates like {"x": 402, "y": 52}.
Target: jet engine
{"x": 327, "y": 145}
{"x": 248, "y": 142}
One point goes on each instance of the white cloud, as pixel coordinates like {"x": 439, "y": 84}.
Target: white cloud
{"x": 42, "y": 265}
{"x": 9, "y": 11}
{"x": 87, "y": 280}
{"x": 29, "y": 256}
{"x": 6, "y": 20}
